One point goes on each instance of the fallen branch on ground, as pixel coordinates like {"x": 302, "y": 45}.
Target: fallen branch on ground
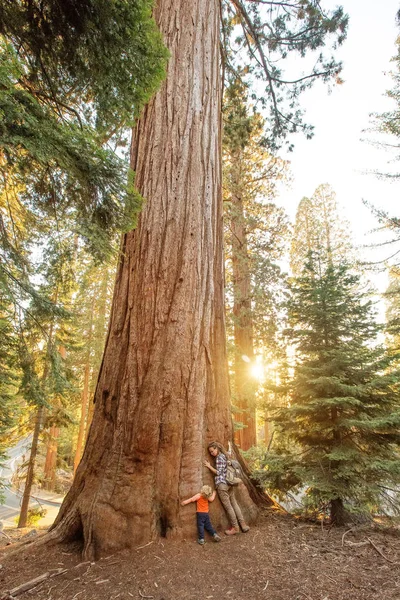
{"x": 24, "y": 587}
{"x": 381, "y": 553}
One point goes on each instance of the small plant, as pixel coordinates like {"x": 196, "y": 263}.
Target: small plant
{"x": 34, "y": 515}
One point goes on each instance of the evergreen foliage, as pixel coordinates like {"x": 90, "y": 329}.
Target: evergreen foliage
{"x": 319, "y": 226}
{"x": 258, "y": 35}
{"x": 343, "y": 415}
{"x": 251, "y": 174}
{"x": 103, "y": 59}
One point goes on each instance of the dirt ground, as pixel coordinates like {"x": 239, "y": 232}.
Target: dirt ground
{"x": 281, "y": 558}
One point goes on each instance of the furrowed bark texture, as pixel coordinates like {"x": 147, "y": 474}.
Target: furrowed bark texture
{"x": 163, "y": 392}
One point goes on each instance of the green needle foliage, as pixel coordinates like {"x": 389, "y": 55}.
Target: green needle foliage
{"x": 106, "y": 58}
{"x": 341, "y": 423}
{"x": 259, "y": 35}
{"x": 73, "y": 77}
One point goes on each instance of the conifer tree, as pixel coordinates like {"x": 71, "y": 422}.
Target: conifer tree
{"x": 343, "y": 417}
{"x": 319, "y": 225}
{"x": 392, "y": 300}
{"x": 10, "y": 375}
{"x": 46, "y": 334}
{"x": 74, "y": 76}
{"x": 92, "y": 306}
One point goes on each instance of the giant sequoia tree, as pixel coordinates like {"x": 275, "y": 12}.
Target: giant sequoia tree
{"x": 162, "y": 392}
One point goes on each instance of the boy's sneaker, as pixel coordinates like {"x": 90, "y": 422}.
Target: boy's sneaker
{"x": 232, "y": 531}
{"x": 216, "y": 537}
{"x": 200, "y": 541}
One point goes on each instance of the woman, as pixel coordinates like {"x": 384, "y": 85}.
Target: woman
{"x": 226, "y": 492}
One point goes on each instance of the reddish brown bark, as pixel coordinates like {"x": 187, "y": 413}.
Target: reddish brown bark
{"x": 51, "y": 458}
{"x": 163, "y": 391}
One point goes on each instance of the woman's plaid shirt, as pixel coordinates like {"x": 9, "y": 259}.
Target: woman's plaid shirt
{"x": 220, "y": 465}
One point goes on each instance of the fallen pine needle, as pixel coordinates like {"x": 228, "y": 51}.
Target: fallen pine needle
{"x": 140, "y": 547}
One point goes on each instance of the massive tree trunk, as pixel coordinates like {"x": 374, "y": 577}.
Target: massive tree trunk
{"x": 163, "y": 391}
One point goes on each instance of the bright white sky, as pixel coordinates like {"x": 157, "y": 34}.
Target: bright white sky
{"x": 337, "y": 155}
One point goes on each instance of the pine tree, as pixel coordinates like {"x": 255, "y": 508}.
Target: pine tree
{"x": 392, "y": 300}
{"x": 319, "y": 225}
{"x": 258, "y": 35}
{"x": 10, "y": 407}
{"x": 343, "y": 415}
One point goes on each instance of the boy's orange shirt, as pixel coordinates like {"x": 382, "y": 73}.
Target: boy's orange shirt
{"x": 202, "y": 505}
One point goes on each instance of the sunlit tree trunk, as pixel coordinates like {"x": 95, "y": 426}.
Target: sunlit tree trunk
{"x": 245, "y": 437}
{"x": 163, "y": 391}
{"x": 84, "y": 415}
{"x": 85, "y": 393}
{"x": 23, "y": 516}
{"x": 51, "y": 458}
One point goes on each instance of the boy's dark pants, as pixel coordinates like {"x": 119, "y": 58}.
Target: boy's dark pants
{"x": 204, "y": 523}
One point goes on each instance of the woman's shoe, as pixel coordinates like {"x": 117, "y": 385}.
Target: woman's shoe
{"x": 232, "y": 531}
{"x": 245, "y": 528}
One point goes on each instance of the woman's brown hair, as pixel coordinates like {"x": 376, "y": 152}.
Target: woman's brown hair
{"x": 217, "y": 445}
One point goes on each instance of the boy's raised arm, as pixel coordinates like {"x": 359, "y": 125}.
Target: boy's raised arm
{"x": 189, "y": 500}
{"x": 212, "y": 497}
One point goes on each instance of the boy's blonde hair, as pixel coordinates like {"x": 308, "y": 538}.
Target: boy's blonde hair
{"x": 206, "y": 491}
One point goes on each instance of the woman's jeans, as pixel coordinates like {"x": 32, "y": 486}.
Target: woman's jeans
{"x": 226, "y": 494}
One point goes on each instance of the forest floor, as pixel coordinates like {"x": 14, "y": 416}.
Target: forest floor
{"x": 281, "y": 558}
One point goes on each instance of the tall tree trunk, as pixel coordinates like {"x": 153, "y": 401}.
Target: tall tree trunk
{"x": 338, "y": 513}
{"x": 39, "y": 418}
{"x": 51, "y": 458}
{"x": 245, "y": 437}
{"x": 85, "y": 391}
{"x": 163, "y": 391}
{"x": 84, "y": 414}
{"x": 23, "y": 516}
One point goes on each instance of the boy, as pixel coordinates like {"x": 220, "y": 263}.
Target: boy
{"x": 202, "y": 499}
